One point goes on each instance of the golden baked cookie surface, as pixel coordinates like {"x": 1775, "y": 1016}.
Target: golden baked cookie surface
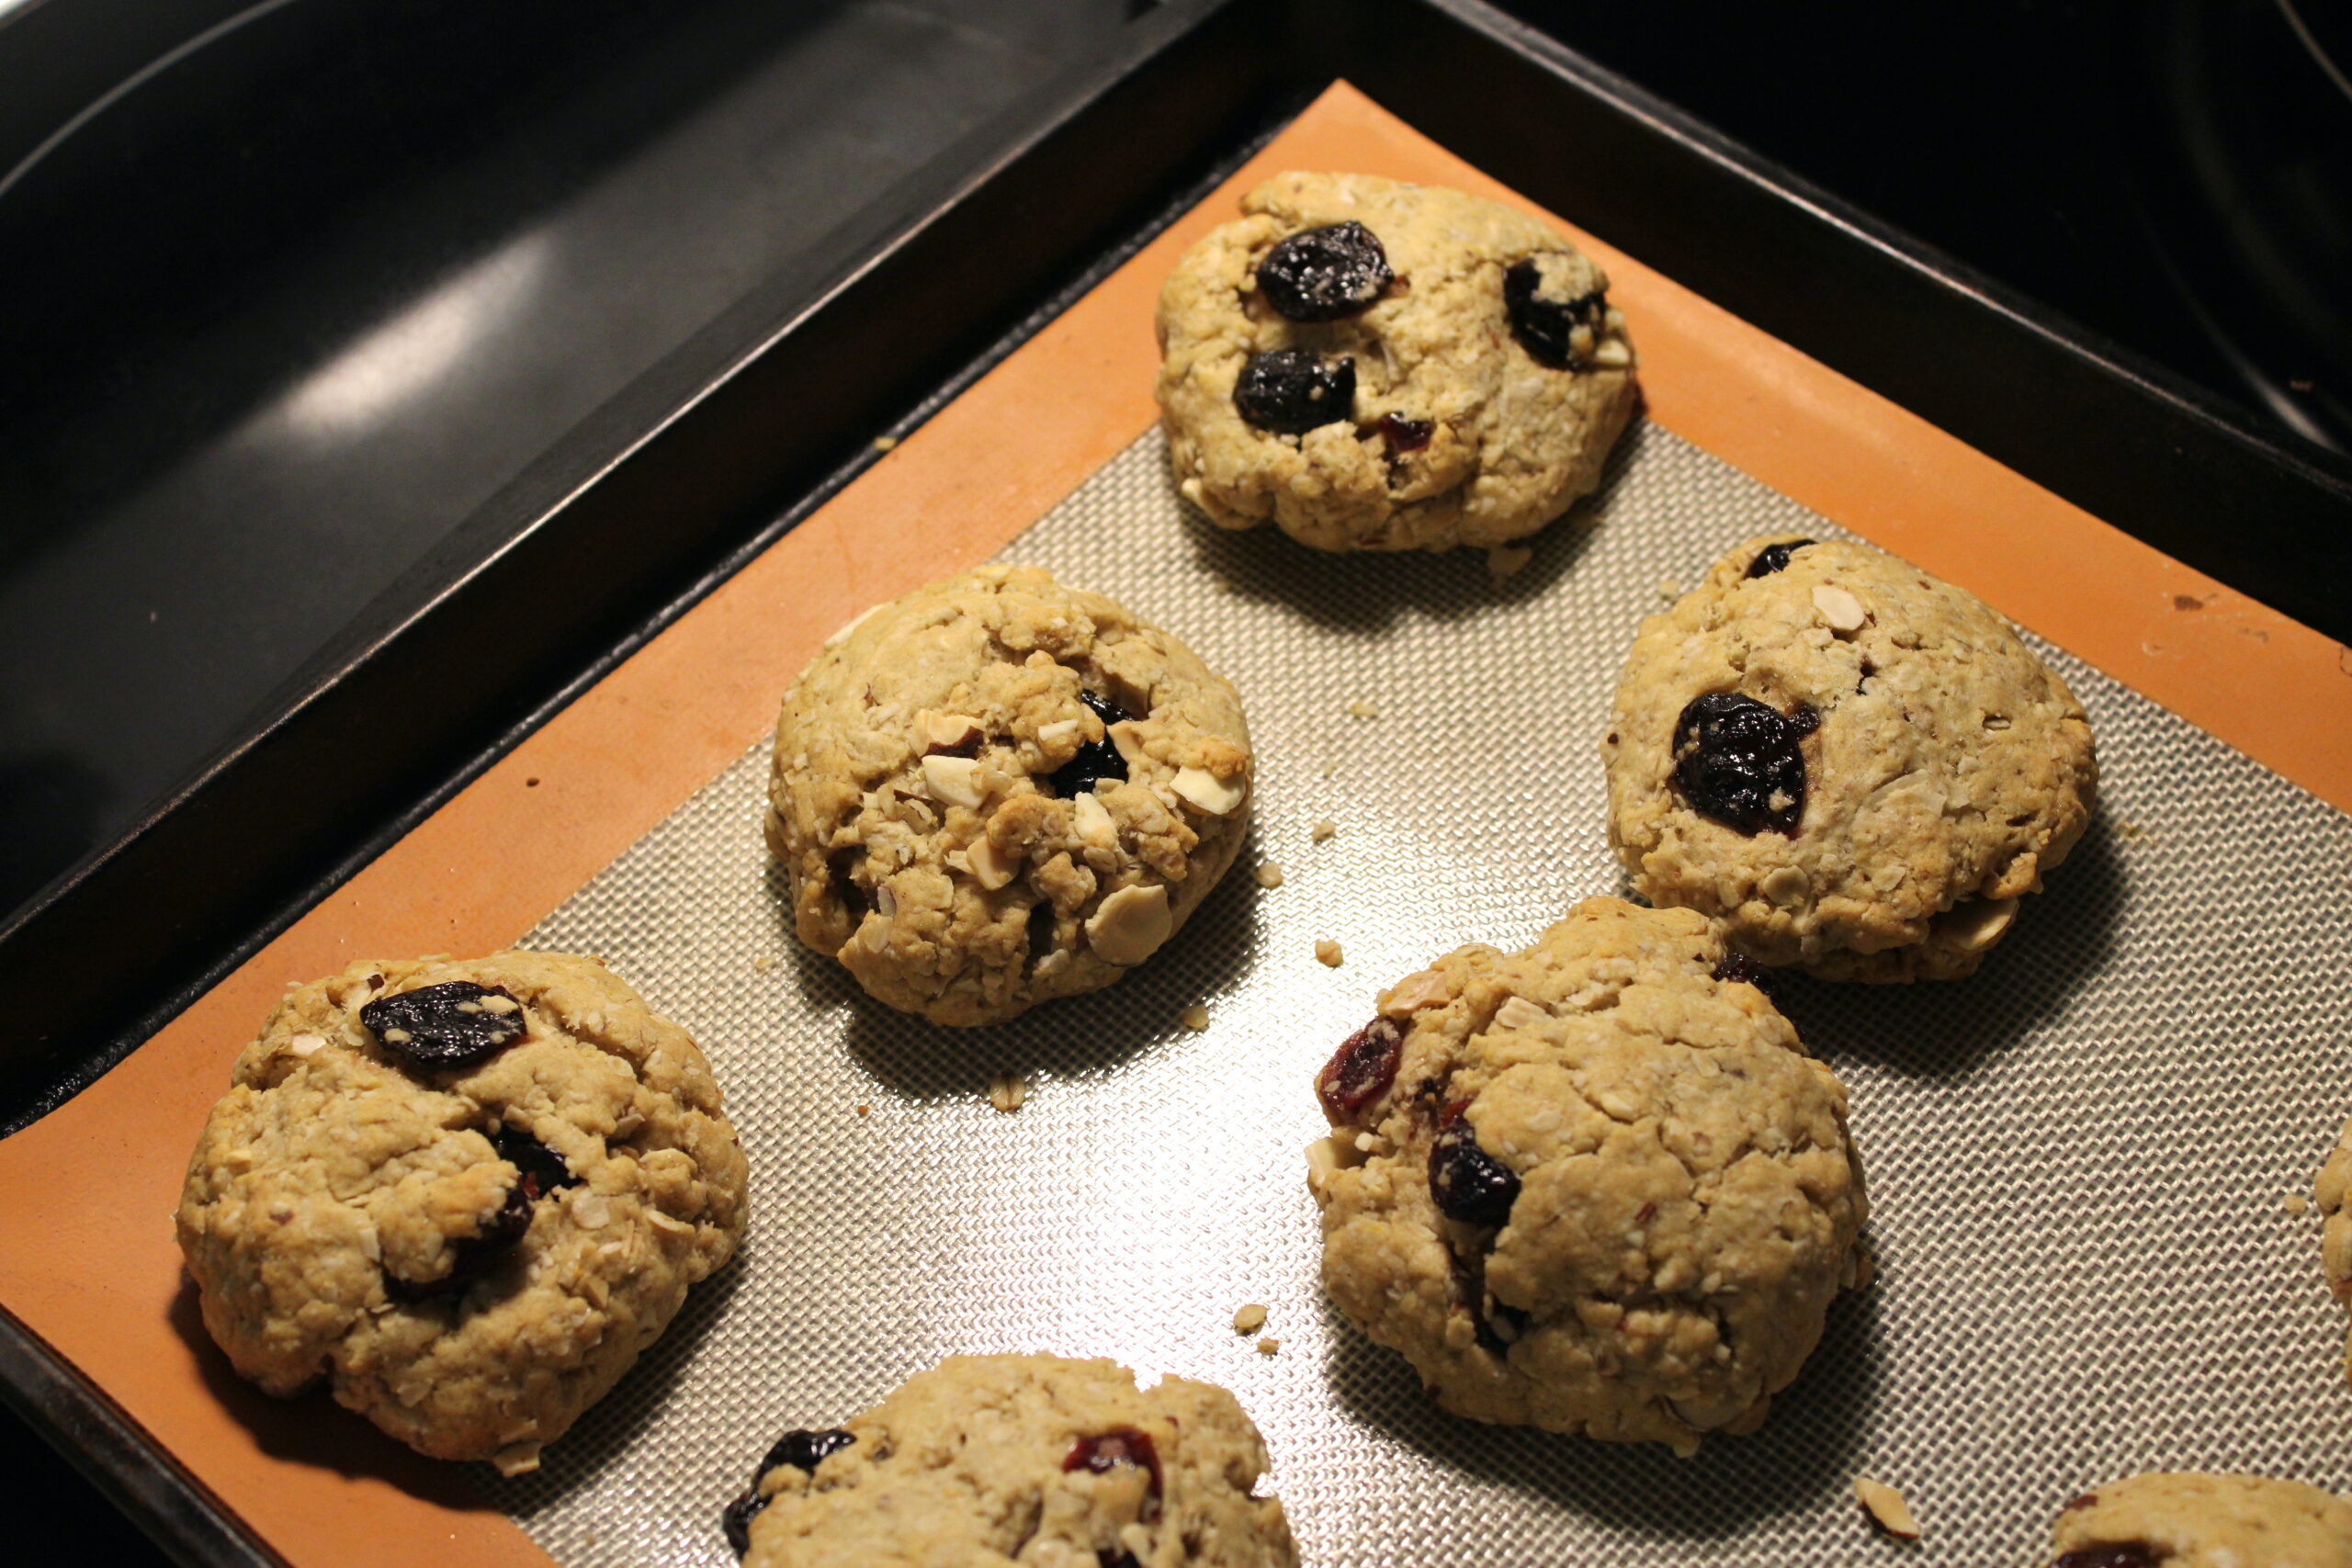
{"x": 470, "y": 1256}
{"x": 1941, "y": 767}
{"x": 1455, "y": 434}
{"x": 1589, "y": 1186}
{"x": 997, "y": 790}
{"x": 2185, "y": 1520}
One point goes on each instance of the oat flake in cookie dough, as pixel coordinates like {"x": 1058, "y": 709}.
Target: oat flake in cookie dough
{"x": 1034, "y": 1459}
{"x": 1858, "y": 769}
{"x": 1594, "y": 1187}
{"x": 2204, "y": 1522}
{"x": 465, "y": 1193}
{"x": 1373, "y": 366}
{"x": 997, "y": 790}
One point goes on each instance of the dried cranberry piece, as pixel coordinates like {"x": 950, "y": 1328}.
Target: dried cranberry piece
{"x": 1324, "y": 274}
{"x": 1548, "y": 328}
{"x": 1774, "y": 557}
{"x": 1468, "y": 1183}
{"x": 1291, "y": 391}
{"x": 1740, "y": 966}
{"x": 1096, "y": 759}
{"x": 443, "y": 1026}
{"x": 1360, "y": 1070}
{"x": 800, "y": 1449}
{"x": 2123, "y": 1554}
{"x": 1405, "y": 435}
{"x": 1106, "y": 1451}
{"x": 1734, "y": 756}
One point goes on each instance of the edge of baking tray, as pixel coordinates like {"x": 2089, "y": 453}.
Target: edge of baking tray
{"x": 121, "y": 944}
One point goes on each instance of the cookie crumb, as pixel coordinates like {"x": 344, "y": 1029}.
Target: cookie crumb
{"x": 1268, "y": 876}
{"x": 1267, "y": 1347}
{"x": 1669, "y": 590}
{"x": 1886, "y": 1506}
{"x": 864, "y": 1110}
{"x": 530, "y": 784}
{"x": 1504, "y": 560}
{"x": 1362, "y": 709}
{"x": 1328, "y": 952}
{"x": 1194, "y": 1018}
{"x": 2298, "y": 1204}
{"x": 1007, "y": 1091}
{"x": 884, "y": 442}
{"x": 763, "y": 964}
{"x": 1249, "y": 1319}
{"x": 1330, "y": 770}
{"x": 1324, "y": 830}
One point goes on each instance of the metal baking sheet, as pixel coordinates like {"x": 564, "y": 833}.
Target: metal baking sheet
{"x": 2081, "y": 1160}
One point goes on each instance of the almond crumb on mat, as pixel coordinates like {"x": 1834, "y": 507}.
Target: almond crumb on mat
{"x": 1886, "y": 1506}
{"x": 1249, "y": 1319}
{"x": 1362, "y": 709}
{"x": 2297, "y": 1203}
{"x": 1194, "y": 1018}
{"x": 1007, "y": 1090}
{"x": 1325, "y": 829}
{"x": 1504, "y": 560}
{"x": 1328, "y": 952}
{"x": 1269, "y": 1345}
{"x": 762, "y": 965}
{"x": 1667, "y": 590}
{"x": 1330, "y": 770}
{"x": 1268, "y": 876}
{"x": 884, "y": 442}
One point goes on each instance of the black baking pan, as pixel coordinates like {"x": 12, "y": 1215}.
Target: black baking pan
{"x": 712, "y": 453}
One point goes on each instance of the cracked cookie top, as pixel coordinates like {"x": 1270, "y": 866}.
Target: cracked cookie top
{"x": 1591, "y": 1185}
{"x": 1857, "y": 768}
{"x": 2185, "y": 1520}
{"x": 1375, "y": 366}
{"x": 997, "y": 790}
{"x": 1029, "y": 1460}
{"x": 465, "y": 1192}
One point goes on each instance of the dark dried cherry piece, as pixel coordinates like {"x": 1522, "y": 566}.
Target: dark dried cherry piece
{"x": 1548, "y": 328}
{"x": 1096, "y": 759}
{"x": 1734, "y": 758}
{"x": 1775, "y": 557}
{"x": 1106, "y": 1451}
{"x": 1323, "y": 275}
{"x": 2123, "y": 1554}
{"x": 1404, "y": 434}
{"x": 444, "y": 1026}
{"x": 802, "y": 1451}
{"x": 1360, "y": 1070}
{"x": 542, "y": 1170}
{"x": 1740, "y": 966}
{"x": 477, "y": 1255}
{"x": 1468, "y": 1183}
{"x": 1290, "y": 390}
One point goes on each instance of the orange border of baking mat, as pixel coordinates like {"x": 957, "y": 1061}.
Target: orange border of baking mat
{"x": 87, "y": 1260}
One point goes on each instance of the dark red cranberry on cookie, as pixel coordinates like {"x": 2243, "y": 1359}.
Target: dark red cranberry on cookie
{"x": 1324, "y": 274}
{"x": 1360, "y": 1070}
{"x": 1559, "y": 333}
{"x": 454, "y": 1024}
{"x": 1290, "y": 392}
{"x": 1741, "y": 762}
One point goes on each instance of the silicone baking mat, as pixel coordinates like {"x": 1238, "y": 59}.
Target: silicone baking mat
{"x": 2081, "y": 1160}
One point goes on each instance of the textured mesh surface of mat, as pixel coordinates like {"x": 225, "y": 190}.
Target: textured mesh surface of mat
{"x": 2080, "y": 1160}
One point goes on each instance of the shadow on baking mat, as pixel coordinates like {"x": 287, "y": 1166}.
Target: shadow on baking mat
{"x": 310, "y": 1428}
{"x": 2062, "y": 946}
{"x": 1092, "y": 1033}
{"x": 1362, "y": 593}
{"x": 1807, "y": 1451}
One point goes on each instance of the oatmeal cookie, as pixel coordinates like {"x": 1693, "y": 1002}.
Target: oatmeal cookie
{"x": 466, "y": 1194}
{"x": 1859, "y": 770}
{"x": 2332, "y": 1189}
{"x": 1375, "y": 365}
{"x": 2204, "y": 1521}
{"x": 1034, "y": 1459}
{"x": 997, "y": 790}
{"x": 1593, "y": 1187}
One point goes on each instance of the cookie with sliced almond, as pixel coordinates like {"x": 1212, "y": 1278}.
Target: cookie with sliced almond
{"x": 1860, "y": 769}
{"x": 999, "y": 790}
